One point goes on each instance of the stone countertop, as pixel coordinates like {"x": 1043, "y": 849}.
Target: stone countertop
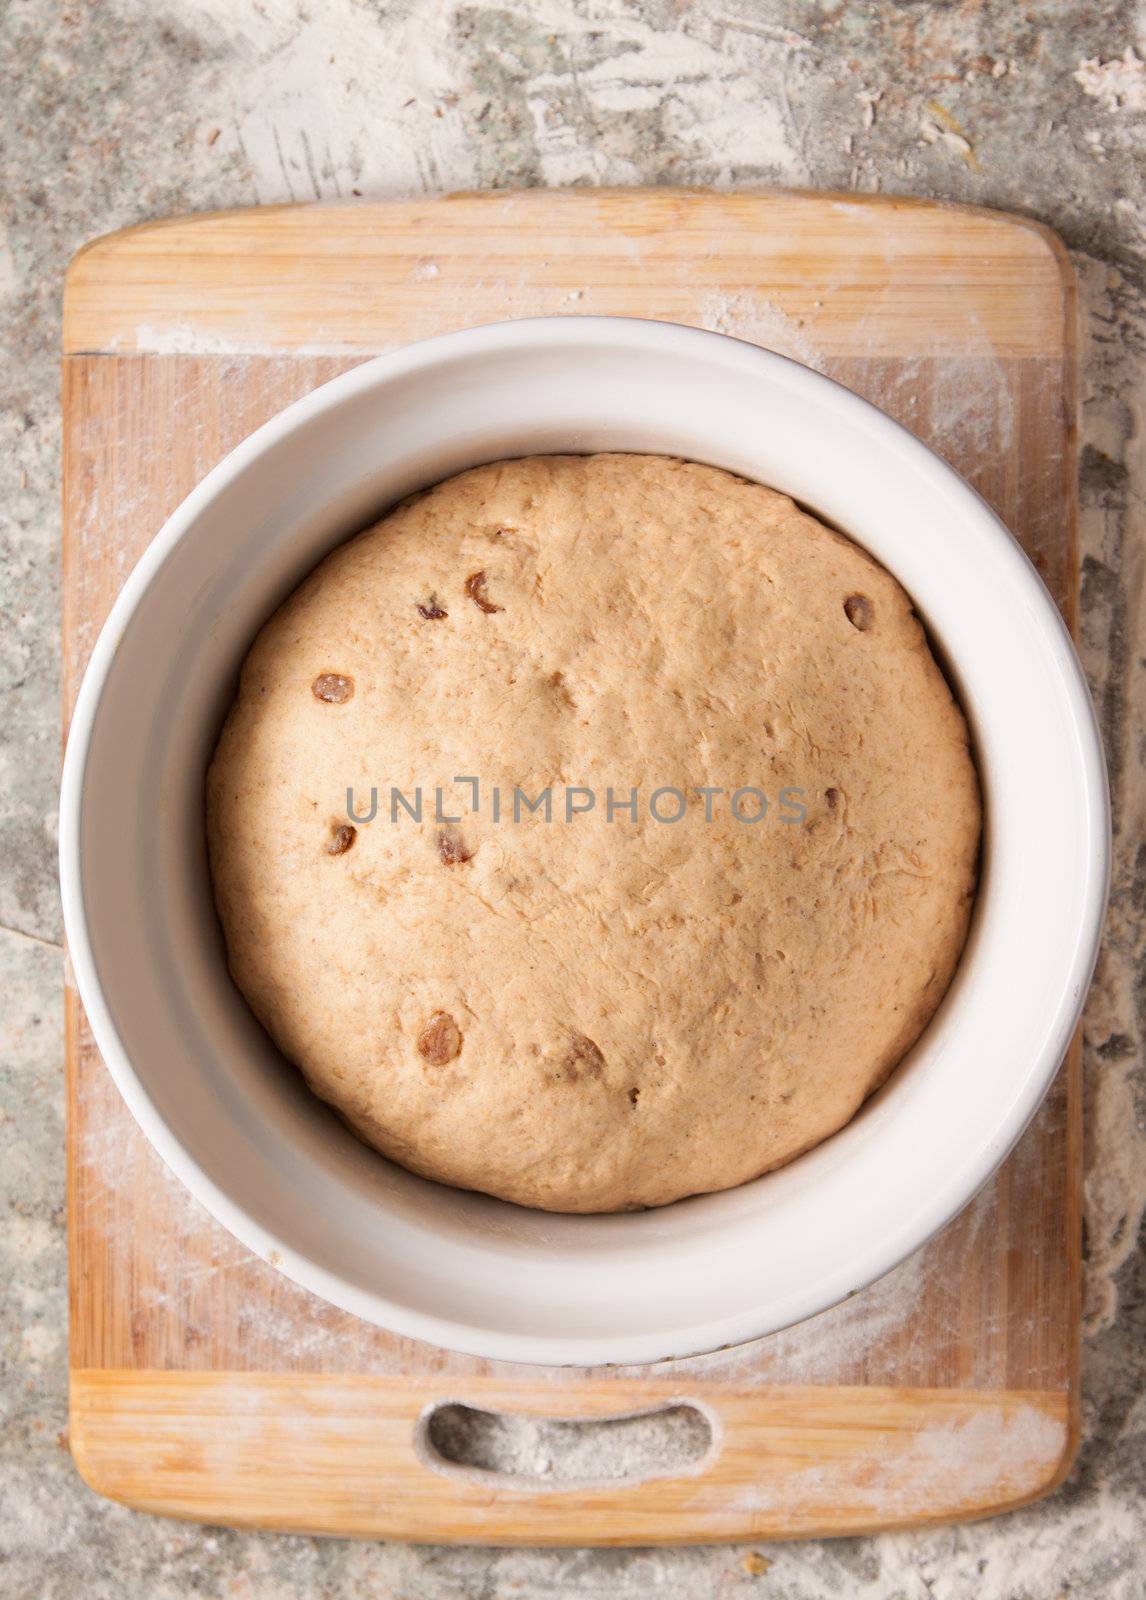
{"x": 135, "y": 109}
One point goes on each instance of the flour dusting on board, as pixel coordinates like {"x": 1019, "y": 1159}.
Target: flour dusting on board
{"x": 750, "y": 316}
{"x": 192, "y": 339}
{"x": 885, "y": 1334}
{"x": 993, "y": 1454}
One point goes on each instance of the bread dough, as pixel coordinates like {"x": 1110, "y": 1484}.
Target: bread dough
{"x": 599, "y": 1013}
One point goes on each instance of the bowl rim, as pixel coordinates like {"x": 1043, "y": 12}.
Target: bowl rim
{"x": 568, "y": 333}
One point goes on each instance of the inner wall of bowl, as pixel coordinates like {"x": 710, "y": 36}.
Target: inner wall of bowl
{"x": 243, "y": 1117}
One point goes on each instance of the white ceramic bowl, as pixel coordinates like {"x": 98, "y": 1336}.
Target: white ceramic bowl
{"x": 241, "y": 1129}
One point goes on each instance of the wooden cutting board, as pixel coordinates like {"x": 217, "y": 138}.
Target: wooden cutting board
{"x": 206, "y": 1385}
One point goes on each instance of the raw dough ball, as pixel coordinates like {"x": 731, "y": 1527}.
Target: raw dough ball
{"x": 597, "y": 1014}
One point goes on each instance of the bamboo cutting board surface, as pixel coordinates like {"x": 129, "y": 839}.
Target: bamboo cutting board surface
{"x": 205, "y": 1384}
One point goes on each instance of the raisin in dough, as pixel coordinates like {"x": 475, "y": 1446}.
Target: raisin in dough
{"x": 597, "y": 1015}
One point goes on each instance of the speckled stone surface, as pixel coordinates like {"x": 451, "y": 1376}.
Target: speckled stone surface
{"x": 132, "y": 109}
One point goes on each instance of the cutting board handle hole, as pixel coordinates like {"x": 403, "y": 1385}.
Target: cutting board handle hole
{"x": 563, "y": 1453}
